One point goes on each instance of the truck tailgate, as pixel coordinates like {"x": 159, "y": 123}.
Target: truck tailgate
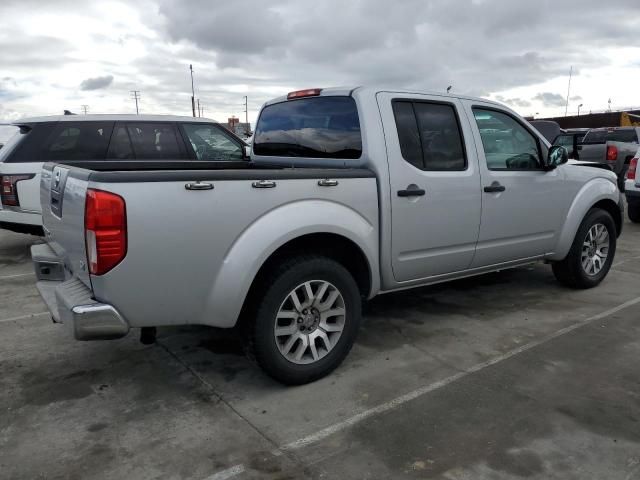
{"x": 62, "y": 196}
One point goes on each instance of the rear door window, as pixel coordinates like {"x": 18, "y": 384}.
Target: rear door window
{"x": 430, "y": 136}
{"x": 78, "y": 141}
{"x": 317, "y": 127}
{"x": 603, "y": 136}
{"x": 155, "y": 141}
{"x": 211, "y": 143}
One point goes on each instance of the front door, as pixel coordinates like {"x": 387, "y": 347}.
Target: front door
{"x": 523, "y": 206}
{"x": 434, "y": 182}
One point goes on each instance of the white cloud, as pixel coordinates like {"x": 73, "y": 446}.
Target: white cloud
{"x": 497, "y": 48}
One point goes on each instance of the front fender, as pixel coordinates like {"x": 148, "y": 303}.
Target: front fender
{"x": 271, "y": 231}
{"x": 591, "y": 193}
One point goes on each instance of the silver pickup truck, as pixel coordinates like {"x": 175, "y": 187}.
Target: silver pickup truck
{"x": 349, "y": 193}
{"x": 613, "y": 146}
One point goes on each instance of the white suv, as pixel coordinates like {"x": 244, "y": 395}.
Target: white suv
{"x": 100, "y": 138}
{"x": 632, "y": 189}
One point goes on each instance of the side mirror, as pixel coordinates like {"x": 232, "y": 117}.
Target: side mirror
{"x": 246, "y": 152}
{"x": 557, "y": 156}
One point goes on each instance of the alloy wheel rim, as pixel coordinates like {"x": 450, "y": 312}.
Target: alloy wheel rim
{"x": 595, "y": 249}
{"x": 309, "y": 322}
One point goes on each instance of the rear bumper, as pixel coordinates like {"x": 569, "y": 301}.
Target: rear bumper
{"x": 70, "y": 301}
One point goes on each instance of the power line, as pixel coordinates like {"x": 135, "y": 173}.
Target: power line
{"x": 135, "y": 94}
{"x": 85, "y": 108}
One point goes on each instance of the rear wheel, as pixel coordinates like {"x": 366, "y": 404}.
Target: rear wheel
{"x": 633, "y": 210}
{"x": 306, "y": 320}
{"x": 591, "y": 253}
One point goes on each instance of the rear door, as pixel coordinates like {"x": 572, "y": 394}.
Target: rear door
{"x": 523, "y": 206}
{"x": 434, "y": 182}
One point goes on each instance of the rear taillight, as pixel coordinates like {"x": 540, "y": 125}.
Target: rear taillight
{"x": 633, "y": 165}
{"x": 612, "y": 153}
{"x": 9, "y": 189}
{"x": 105, "y": 227}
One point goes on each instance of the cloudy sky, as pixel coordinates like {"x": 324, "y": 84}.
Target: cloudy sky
{"x": 61, "y": 54}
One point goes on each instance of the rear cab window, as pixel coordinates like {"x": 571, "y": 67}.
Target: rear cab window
{"x": 314, "y": 127}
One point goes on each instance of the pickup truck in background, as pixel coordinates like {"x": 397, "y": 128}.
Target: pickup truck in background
{"x": 632, "y": 189}
{"x": 350, "y": 193}
{"x": 98, "y": 138}
{"x": 614, "y": 146}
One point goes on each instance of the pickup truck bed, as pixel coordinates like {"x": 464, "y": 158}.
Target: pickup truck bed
{"x": 222, "y": 212}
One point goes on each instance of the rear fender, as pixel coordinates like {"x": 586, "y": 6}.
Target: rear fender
{"x": 274, "y": 229}
{"x": 592, "y": 192}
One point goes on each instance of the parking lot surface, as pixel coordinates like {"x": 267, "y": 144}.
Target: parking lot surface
{"x": 507, "y": 375}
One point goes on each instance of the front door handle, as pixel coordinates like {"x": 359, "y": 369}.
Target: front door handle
{"x": 495, "y": 187}
{"x": 199, "y": 186}
{"x": 411, "y": 192}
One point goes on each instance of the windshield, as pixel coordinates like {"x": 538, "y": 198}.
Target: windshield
{"x": 318, "y": 127}
{"x": 603, "y": 136}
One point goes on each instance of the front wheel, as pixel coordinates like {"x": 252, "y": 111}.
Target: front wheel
{"x": 306, "y": 320}
{"x": 591, "y": 253}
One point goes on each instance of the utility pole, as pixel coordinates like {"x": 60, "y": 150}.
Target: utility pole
{"x": 193, "y": 94}
{"x": 568, "y": 90}
{"x": 135, "y": 94}
{"x": 199, "y": 114}
{"x": 85, "y": 108}
{"x": 246, "y": 115}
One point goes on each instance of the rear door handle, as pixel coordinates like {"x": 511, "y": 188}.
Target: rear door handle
{"x": 199, "y": 186}
{"x": 411, "y": 192}
{"x": 495, "y": 187}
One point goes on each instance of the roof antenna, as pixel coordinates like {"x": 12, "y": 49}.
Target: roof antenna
{"x": 449, "y": 88}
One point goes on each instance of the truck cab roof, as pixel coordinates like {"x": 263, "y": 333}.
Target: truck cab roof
{"x": 373, "y": 90}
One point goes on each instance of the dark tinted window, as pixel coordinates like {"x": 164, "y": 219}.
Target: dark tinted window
{"x": 120, "y": 147}
{"x": 154, "y": 141}
{"x": 320, "y": 127}
{"x": 212, "y": 143}
{"x": 603, "y": 136}
{"x": 408, "y": 133}
{"x": 508, "y": 145}
{"x": 429, "y": 135}
{"x": 78, "y": 141}
{"x": 440, "y": 136}
{"x": 566, "y": 140}
{"x": 26, "y": 145}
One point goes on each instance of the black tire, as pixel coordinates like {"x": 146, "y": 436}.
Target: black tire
{"x": 276, "y": 287}
{"x": 633, "y": 210}
{"x": 570, "y": 271}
